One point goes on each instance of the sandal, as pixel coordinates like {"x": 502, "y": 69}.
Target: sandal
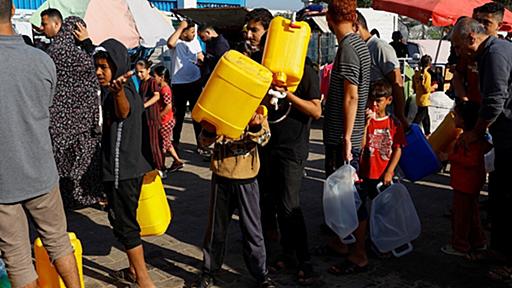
{"x": 347, "y": 268}
{"x": 306, "y": 276}
{"x": 503, "y": 273}
{"x": 282, "y": 263}
{"x": 124, "y": 276}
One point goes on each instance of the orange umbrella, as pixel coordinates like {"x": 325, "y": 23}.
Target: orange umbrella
{"x": 440, "y": 12}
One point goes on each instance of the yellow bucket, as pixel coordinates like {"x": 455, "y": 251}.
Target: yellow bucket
{"x": 233, "y": 93}
{"x": 47, "y": 275}
{"x": 153, "y": 214}
{"x": 285, "y": 51}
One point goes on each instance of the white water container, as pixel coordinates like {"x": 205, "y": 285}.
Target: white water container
{"x": 393, "y": 220}
{"x": 339, "y": 201}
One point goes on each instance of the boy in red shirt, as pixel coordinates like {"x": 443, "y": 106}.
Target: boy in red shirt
{"x": 382, "y": 147}
{"x": 467, "y": 179}
{"x": 383, "y": 141}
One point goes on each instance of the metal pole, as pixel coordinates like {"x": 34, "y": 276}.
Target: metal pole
{"x": 439, "y": 47}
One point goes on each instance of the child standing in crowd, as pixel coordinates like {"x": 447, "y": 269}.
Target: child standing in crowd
{"x": 151, "y": 96}
{"x": 235, "y": 164}
{"x": 161, "y": 75}
{"x": 124, "y": 165}
{"x": 423, "y": 87}
{"x": 382, "y": 148}
{"x": 467, "y": 179}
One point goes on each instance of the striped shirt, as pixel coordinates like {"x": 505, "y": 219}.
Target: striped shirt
{"x": 353, "y": 64}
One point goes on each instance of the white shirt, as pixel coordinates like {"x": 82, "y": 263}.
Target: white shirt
{"x": 183, "y": 62}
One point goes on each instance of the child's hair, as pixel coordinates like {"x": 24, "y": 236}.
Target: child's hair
{"x": 161, "y": 71}
{"x": 381, "y": 88}
{"x": 145, "y": 63}
{"x": 425, "y": 61}
{"x": 468, "y": 111}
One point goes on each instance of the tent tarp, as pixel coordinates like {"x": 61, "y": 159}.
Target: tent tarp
{"x": 133, "y": 22}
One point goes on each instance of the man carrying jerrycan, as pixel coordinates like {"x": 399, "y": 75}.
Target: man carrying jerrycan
{"x": 28, "y": 175}
{"x": 284, "y": 158}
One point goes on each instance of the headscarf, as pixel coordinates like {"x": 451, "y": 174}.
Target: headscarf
{"x": 76, "y": 96}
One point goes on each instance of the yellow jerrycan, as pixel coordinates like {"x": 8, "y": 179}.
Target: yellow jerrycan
{"x": 153, "y": 213}
{"x": 232, "y": 94}
{"x": 285, "y": 51}
{"x": 444, "y": 137}
{"x": 47, "y": 275}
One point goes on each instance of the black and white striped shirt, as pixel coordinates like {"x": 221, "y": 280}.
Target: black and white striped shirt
{"x": 352, "y": 63}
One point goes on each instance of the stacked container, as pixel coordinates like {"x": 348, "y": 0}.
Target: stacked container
{"x": 233, "y": 92}
{"x": 285, "y": 51}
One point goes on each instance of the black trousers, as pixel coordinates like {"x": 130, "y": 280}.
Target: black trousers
{"x": 122, "y": 210}
{"x": 501, "y": 234}
{"x": 183, "y": 93}
{"x": 281, "y": 179}
{"x": 228, "y": 195}
{"x": 423, "y": 118}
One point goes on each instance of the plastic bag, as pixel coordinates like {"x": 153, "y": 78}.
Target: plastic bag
{"x": 393, "y": 220}
{"x": 339, "y": 201}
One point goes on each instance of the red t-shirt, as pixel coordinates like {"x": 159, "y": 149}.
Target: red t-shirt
{"x": 382, "y": 135}
{"x": 467, "y": 167}
{"x": 166, "y": 98}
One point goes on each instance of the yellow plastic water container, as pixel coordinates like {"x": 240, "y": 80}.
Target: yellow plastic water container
{"x": 444, "y": 137}
{"x": 233, "y": 93}
{"x": 47, "y": 275}
{"x": 285, "y": 51}
{"x": 153, "y": 214}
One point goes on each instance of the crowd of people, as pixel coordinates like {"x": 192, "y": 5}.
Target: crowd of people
{"x": 82, "y": 126}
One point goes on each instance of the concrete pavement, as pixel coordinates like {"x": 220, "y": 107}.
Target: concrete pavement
{"x": 175, "y": 257}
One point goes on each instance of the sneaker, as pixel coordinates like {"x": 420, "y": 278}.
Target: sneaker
{"x": 449, "y": 250}
{"x": 268, "y": 283}
{"x": 176, "y": 165}
{"x": 205, "y": 281}
{"x": 162, "y": 174}
{"x": 206, "y": 154}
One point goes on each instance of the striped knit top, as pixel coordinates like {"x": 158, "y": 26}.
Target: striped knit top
{"x": 353, "y": 64}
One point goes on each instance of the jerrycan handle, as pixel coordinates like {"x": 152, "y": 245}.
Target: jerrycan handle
{"x": 381, "y": 185}
{"x": 350, "y": 239}
{"x": 403, "y": 252}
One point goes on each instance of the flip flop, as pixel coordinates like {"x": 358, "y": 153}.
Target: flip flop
{"x": 347, "y": 268}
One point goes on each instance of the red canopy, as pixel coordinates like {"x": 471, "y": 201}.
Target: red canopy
{"x": 441, "y": 12}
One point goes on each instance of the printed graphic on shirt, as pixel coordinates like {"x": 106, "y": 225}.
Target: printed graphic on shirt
{"x": 381, "y": 141}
